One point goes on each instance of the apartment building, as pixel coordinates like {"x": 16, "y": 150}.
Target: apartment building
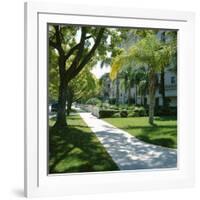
{"x": 113, "y": 91}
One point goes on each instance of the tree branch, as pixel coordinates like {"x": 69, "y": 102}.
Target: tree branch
{"x": 76, "y": 60}
{"x": 71, "y": 51}
{"x": 53, "y": 44}
{"x": 58, "y": 40}
{"x": 89, "y": 55}
{"x": 81, "y": 47}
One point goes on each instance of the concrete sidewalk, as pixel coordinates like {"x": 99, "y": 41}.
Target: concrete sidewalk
{"x": 128, "y": 152}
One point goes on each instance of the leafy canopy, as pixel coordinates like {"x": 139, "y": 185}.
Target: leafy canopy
{"x": 149, "y": 51}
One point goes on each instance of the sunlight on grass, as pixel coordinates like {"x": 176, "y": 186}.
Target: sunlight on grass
{"x": 163, "y": 133}
{"x": 76, "y": 149}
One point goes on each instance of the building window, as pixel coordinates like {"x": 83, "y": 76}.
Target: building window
{"x": 173, "y": 80}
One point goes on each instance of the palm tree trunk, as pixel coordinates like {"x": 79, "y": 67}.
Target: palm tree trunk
{"x": 117, "y": 92}
{"x": 152, "y": 90}
{"x": 162, "y": 77}
{"x": 162, "y": 87}
{"x": 136, "y": 94}
{"x": 129, "y": 94}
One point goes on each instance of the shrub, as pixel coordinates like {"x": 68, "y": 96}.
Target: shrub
{"x": 133, "y": 114}
{"x": 140, "y": 112}
{"x": 131, "y": 108}
{"x": 106, "y": 113}
{"x": 113, "y": 107}
{"x": 166, "y": 111}
{"x": 106, "y": 105}
{"x": 93, "y": 101}
{"x": 112, "y": 100}
{"x": 117, "y": 114}
{"x": 123, "y": 113}
{"x": 123, "y": 107}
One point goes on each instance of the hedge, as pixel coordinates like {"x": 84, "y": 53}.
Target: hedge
{"x": 106, "y": 113}
{"x": 123, "y": 113}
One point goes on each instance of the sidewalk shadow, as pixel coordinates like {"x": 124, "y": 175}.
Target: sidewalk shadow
{"x": 131, "y": 153}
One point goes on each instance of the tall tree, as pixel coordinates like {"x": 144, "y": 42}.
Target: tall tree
{"x": 83, "y": 87}
{"x": 73, "y": 55}
{"x": 150, "y": 52}
{"x": 76, "y": 47}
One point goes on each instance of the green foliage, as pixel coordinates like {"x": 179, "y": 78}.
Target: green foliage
{"x": 53, "y": 75}
{"x": 165, "y": 111}
{"x": 114, "y": 107}
{"x": 116, "y": 115}
{"x": 123, "y": 113}
{"x": 132, "y": 114}
{"x": 70, "y": 36}
{"x": 84, "y": 85}
{"x": 94, "y": 101}
{"x": 140, "y": 111}
{"x": 106, "y": 113}
{"x": 137, "y": 112}
{"x": 149, "y": 51}
{"x": 112, "y": 101}
{"x": 106, "y": 105}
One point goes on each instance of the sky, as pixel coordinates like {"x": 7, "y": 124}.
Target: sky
{"x": 99, "y": 71}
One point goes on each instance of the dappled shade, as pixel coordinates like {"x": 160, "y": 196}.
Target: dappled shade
{"x": 129, "y": 152}
{"x": 76, "y": 149}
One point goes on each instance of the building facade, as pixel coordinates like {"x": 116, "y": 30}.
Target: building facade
{"x": 115, "y": 91}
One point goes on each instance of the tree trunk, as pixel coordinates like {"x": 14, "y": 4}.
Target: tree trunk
{"x": 62, "y": 97}
{"x": 162, "y": 87}
{"x": 129, "y": 94}
{"x": 77, "y": 65}
{"x": 117, "y": 92}
{"x": 162, "y": 76}
{"x": 152, "y": 82}
{"x": 69, "y": 100}
{"x": 136, "y": 94}
{"x": 69, "y": 107}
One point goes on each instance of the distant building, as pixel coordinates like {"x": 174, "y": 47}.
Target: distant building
{"x": 113, "y": 91}
{"x": 109, "y": 91}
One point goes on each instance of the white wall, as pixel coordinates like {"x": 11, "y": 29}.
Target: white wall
{"x": 11, "y": 101}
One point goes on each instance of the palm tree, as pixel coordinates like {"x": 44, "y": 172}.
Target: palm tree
{"x": 142, "y": 84}
{"x": 127, "y": 76}
{"x": 150, "y": 52}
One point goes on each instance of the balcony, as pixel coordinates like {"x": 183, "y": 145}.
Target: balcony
{"x": 171, "y": 87}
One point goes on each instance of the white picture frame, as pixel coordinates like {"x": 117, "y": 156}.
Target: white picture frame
{"x": 37, "y": 180}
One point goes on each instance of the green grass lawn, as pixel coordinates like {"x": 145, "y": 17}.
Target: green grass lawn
{"x": 163, "y": 133}
{"x": 76, "y": 149}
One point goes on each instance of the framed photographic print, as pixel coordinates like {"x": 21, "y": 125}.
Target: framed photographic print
{"x": 109, "y": 99}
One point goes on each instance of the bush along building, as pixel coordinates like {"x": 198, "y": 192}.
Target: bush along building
{"x": 115, "y": 92}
